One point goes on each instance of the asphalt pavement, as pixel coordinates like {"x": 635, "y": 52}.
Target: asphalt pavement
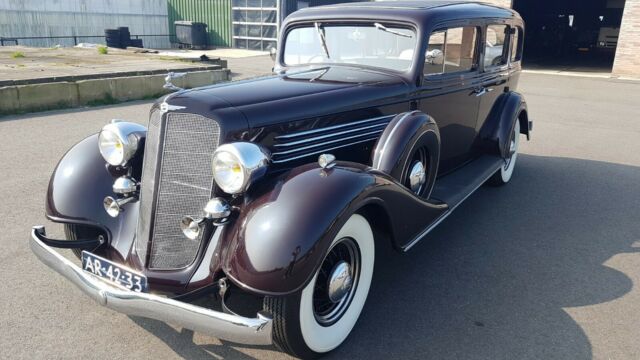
{"x": 547, "y": 267}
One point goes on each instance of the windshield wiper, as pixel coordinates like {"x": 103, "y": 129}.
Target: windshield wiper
{"x": 322, "y": 40}
{"x": 394, "y": 32}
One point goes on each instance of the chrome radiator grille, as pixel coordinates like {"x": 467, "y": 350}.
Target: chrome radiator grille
{"x": 182, "y": 186}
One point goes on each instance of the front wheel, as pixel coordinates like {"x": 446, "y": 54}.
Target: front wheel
{"x": 319, "y": 318}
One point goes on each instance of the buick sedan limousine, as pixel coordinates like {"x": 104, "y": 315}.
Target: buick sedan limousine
{"x": 268, "y": 196}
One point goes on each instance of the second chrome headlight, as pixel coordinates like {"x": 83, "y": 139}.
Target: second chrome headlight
{"x": 237, "y": 165}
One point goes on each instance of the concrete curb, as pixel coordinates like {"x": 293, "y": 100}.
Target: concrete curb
{"x": 59, "y": 95}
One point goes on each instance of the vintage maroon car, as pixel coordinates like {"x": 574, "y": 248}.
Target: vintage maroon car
{"x": 271, "y": 193}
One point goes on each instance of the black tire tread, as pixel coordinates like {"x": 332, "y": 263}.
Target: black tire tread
{"x": 286, "y": 324}
{"x": 275, "y": 306}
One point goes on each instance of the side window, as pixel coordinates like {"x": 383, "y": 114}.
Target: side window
{"x": 434, "y": 58}
{"x": 451, "y": 51}
{"x": 494, "y": 45}
{"x": 516, "y": 47}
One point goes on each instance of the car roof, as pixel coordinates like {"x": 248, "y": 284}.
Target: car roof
{"x": 416, "y": 11}
{"x": 400, "y": 4}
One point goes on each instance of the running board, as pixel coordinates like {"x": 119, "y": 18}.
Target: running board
{"x": 456, "y": 187}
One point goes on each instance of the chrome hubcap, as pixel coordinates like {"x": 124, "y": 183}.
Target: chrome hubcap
{"x": 513, "y": 148}
{"x": 417, "y": 177}
{"x": 336, "y": 282}
{"x": 340, "y": 281}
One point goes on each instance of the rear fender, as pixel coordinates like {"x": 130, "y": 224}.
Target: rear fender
{"x": 495, "y": 133}
{"x": 286, "y": 224}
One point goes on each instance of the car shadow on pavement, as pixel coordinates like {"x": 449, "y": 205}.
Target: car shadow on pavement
{"x": 492, "y": 281}
{"x": 182, "y": 342}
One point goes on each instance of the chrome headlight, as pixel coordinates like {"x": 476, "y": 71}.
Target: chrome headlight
{"x": 118, "y": 141}
{"x": 237, "y": 165}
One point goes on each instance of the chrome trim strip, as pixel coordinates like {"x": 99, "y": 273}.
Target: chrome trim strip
{"x": 329, "y": 128}
{"x": 327, "y": 142}
{"x": 253, "y": 331}
{"x": 330, "y": 135}
{"x": 321, "y": 151}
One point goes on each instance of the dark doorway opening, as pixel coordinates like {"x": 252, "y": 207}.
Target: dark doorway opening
{"x": 578, "y": 35}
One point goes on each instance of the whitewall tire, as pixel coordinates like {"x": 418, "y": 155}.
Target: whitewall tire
{"x": 503, "y": 176}
{"x": 321, "y": 316}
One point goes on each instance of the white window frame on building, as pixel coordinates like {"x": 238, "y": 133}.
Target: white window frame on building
{"x": 255, "y": 24}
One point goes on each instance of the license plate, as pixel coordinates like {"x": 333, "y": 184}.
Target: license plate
{"x": 113, "y": 273}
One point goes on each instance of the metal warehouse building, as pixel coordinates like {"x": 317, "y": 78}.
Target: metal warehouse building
{"x": 585, "y": 35}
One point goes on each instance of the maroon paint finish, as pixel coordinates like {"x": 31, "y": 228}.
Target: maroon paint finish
{"x": 405, "y": 134}
{"x": 286, "y": 225}
{"x": 80, "y": 177}
{"x": 496, "y": 132}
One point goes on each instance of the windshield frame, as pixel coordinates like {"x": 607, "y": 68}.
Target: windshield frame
{"x": 355, "y": 22}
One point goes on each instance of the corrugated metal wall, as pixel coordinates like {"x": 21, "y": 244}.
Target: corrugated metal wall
{"x": 215, "y": 13}
{"x": 83, "y": 17}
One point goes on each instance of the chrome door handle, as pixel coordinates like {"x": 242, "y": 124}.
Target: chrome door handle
{"x": 482, "y": 90}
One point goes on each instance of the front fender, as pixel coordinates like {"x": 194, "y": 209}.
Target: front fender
{"x": 286, "y": 225}
{"x": 77, "y": 188}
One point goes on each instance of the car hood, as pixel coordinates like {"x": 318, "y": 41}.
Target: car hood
{"x": 299, "y": 95}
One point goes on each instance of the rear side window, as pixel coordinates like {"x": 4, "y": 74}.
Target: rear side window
{"x": 451, "y": 51}
{"x": 495, "y": 45}
{"x": 516, "y": 47}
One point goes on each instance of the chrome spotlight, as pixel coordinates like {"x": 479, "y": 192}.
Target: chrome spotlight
{"x": 125, "y": 185}
{"x": 217, "y": 208}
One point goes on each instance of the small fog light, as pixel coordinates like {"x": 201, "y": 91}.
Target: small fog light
{"x": 113, "y": 207}
{"x": 190, "y": 227}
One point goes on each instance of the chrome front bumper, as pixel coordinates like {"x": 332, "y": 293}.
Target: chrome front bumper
{"x": 253, "y": 331}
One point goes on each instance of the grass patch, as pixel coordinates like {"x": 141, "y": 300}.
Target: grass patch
{"x": 17, "y": 54}
{"x": 103, "y": 50}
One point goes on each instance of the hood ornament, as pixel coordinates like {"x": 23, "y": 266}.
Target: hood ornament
{"x": 164, "y": 107}
{"x": 168, "y": 81}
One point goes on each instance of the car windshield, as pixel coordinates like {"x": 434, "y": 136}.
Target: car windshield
{"x": 374, "y": 44}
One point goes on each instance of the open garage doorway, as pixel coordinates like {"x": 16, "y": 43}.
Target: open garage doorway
{"x": 571, "y": 35}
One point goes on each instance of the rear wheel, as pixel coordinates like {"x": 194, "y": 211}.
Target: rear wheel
{"x": 80, "y": 232}
{"x": 503, "y": 176}
{"x": 319, "y": 318}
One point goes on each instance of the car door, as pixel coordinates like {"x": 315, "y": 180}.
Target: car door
{"x": 447, "y": 92}
{"x": 495, "y": 68}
